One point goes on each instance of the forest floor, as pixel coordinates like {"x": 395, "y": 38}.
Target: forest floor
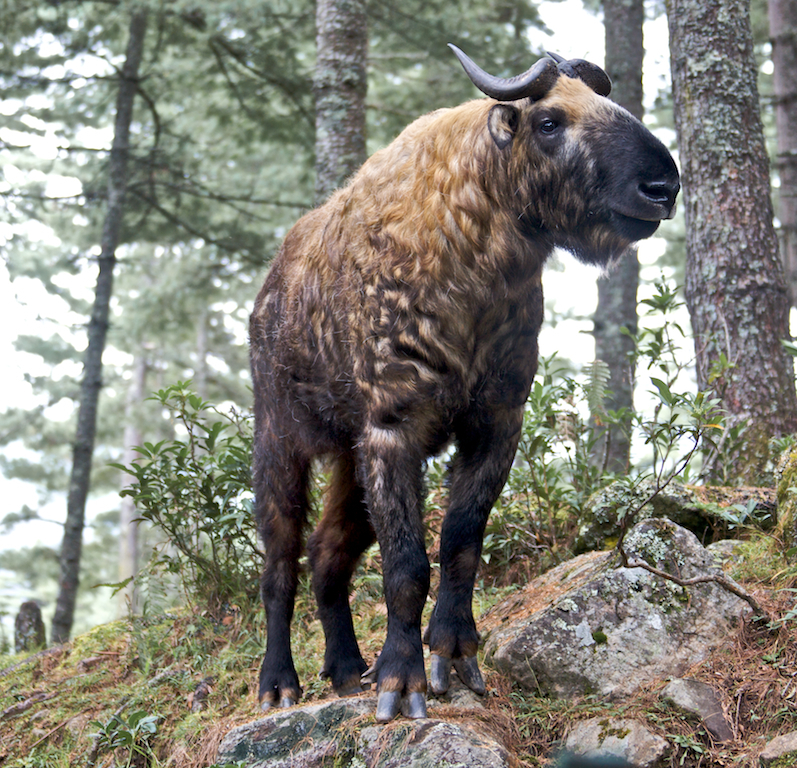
{"x": 164, "y": 689}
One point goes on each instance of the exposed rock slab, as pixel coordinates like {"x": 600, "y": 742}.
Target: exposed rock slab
{"x": 780, "y": 751}
{"x": 429, "y": 744}
{"x": 341, "y": 732}
{"x": 591, "y": 626}
{"x": 299, "y": 737}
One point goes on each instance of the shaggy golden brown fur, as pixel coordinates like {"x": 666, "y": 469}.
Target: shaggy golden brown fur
{"x": 404, "y": 313}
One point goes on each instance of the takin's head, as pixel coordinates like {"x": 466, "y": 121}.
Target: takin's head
{"x": 581, "y": 172}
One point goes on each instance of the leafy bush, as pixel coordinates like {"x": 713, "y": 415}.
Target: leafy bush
{"x": 196, "y": 490}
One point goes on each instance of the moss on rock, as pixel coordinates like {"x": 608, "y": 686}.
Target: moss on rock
{"x": 786, "y": 477}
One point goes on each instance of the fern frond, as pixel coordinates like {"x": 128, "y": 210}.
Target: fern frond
{"x": 597, "y": 373}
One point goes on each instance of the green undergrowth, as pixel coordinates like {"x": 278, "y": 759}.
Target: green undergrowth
{"x": 163, "y": 690}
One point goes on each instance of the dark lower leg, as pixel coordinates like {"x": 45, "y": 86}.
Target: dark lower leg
{"x": 393, "y": 481}
{"x": 477, "y": 476}
{"x": 334, "y": 549}
{"x": 281, "y": 506}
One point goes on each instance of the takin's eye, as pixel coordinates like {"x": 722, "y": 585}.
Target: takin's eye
{"x": 548, "y": 127}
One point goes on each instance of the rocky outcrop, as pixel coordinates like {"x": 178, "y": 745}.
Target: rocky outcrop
{"x": 591, "y": 626}
{"x": 341, "y": 733}
{"x": 704, "y": 510}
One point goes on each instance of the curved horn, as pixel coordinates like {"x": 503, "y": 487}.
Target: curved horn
{"x": 533, "y": 84}
{"x": 590, "y": 73}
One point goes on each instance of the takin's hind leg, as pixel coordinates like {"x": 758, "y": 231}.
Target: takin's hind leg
{"x": 280, "y": 480}
{"x": 336, "y": 545}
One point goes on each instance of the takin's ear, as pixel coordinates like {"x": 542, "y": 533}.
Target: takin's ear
{"x": 502, "y": 122}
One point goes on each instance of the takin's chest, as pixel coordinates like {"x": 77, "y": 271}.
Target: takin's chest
{"x": 391, "y": 361}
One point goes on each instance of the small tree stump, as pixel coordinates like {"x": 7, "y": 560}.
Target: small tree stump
{"x": 29, "y": 632}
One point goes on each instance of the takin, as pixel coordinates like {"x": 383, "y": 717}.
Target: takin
{"x": 403, "y": 314}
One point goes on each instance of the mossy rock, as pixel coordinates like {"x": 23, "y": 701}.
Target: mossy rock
{"x": 786, "y": 478}
{"x": 699, "y": 509}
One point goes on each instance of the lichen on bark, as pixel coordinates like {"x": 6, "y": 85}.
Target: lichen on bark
{"x": 340, "y": 86}
{"x": 735, "y": 288}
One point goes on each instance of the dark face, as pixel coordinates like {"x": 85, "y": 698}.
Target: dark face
{"x": 590, "y": 177}
{"x": 637, "y": 175}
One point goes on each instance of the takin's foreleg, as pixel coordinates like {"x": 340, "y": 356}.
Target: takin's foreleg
{"x": 485, "y": 451}
{"x": 390, "y": 470}
{"x": 341, "y": 536}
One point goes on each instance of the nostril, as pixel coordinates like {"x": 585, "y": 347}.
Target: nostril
{"x": 658, "y": 192}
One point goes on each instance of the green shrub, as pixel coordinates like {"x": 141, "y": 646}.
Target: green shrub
{"x": 196, "y": 491}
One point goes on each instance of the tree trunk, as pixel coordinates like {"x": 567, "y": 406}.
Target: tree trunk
{"x": 340, "y": 87}
{"x": 783, "y": 33}
{"x": 201, "y": 369}
{"x": 128, "y": 525}
{"x": 83, "y": 448}
{"x": 735, "y": 288}
{"x": 617, "y": 292}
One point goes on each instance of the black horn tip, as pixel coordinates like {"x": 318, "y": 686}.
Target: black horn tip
{"x": 590, "y": 73}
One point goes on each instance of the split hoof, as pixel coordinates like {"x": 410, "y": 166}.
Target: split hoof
{"x": 390, "y": 703}
{"x": 439, "y": 674}
{"x": 415, "y": 705}
{"x": 284, "y": 702}
{"x": 468, "y": 670}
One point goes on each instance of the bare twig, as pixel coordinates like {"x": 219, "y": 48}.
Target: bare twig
{"x": 708, "y": 578}
{"x": 48, "y": 734}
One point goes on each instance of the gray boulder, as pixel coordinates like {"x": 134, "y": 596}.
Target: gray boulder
{"x": 591, "y": 626}
{"x": 629, "y": 739}
{"x": 702, "y": 700}
{"x": 780, "y": 751}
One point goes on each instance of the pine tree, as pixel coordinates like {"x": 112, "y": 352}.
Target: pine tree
{"x": 617, "y": 292}
{"x": 783, "y": 34}
{"x": 340, "y": 87}
{"x": 83, "y": 447}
